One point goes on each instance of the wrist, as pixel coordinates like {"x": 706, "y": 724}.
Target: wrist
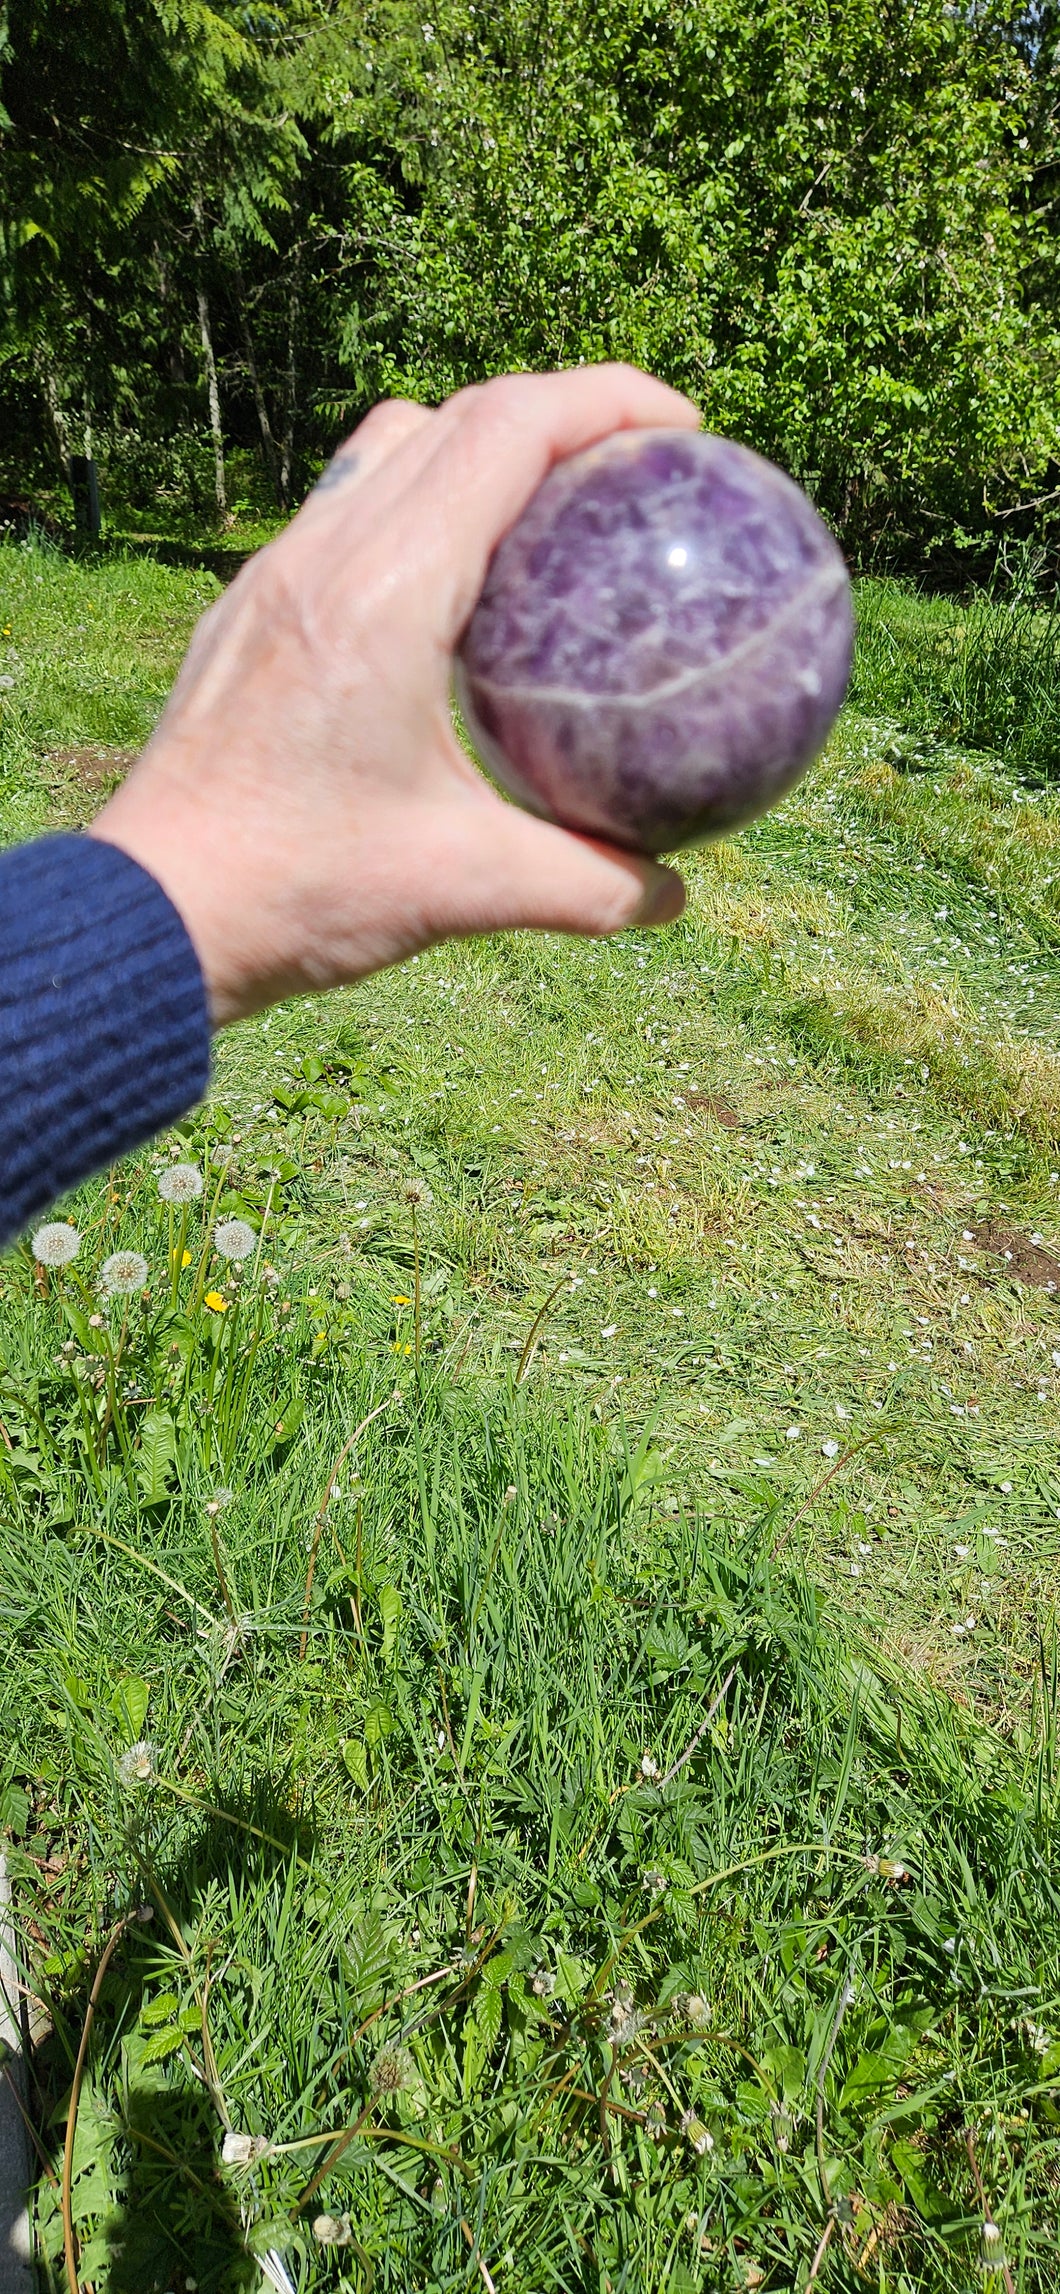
{"x": 210, "y": 873}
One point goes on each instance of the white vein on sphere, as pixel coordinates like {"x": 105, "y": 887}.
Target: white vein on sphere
{"x": 823, "y": 585}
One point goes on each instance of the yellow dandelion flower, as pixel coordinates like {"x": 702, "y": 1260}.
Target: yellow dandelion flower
{"x": 400, "y": 1299}
{"x": 400, "y": 1346}
{"x": 185, "y": 1261}
{"x": 215, "y": 1302}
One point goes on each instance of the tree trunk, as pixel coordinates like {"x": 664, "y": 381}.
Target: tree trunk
{"x": 268, "y": 442}
{"x": 214, "y": 397}
{"x": 290, "y": 407}
{"x": 49, "y": 390}
{"x": 174, "y": 345}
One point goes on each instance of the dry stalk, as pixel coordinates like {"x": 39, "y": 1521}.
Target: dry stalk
{"x": 69, "y": 2244}
{"x": 482, "y": 2270}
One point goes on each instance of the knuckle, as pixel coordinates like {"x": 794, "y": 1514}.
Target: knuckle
{"x": 504, "y": 400}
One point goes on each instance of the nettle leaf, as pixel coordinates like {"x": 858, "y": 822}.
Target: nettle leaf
{"x": 498, "y": 1969}
{"x": 488, "y": 2017}
{"x": 14, "y": 1810}
{"x": 157, "y": 1457}
{"x": 366, "y": 1960}
{"x": 164, "y": 2043}
{"x": 160, "y": 2010}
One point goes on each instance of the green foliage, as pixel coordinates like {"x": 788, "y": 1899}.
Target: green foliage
{"x": 835, "y": 229}
{"x": 814, "y": 225}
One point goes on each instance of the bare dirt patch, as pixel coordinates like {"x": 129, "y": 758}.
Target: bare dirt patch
{"x": 78, "y": 780}
{"x": 715, "y": 1110}
{"x": 1026, "y": 1260}
{"x": 94, "y": 769}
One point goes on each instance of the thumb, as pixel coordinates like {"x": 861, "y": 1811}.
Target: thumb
{"x": 528, "y": 874}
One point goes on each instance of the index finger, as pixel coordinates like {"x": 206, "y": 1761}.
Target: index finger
{"x": 492, "y": 445}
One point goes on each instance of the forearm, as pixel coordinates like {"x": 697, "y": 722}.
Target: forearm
{"x": 104, "y": 1032}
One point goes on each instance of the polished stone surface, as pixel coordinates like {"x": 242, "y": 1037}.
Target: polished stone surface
{"x": 662, "y": 641}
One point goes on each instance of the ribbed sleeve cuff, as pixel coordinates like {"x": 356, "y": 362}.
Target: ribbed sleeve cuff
{"x": 104, "y": 1026}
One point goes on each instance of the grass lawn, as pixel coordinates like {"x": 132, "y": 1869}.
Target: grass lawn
{"x": 543, "y": 1675}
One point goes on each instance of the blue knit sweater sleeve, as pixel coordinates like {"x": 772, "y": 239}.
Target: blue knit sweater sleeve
{"x": 104, "y": 1028}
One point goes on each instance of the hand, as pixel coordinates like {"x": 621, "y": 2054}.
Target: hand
{"x": 304, "y": 800}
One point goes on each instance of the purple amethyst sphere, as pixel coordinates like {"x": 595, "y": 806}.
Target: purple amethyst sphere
{"x": 662, "y": 643}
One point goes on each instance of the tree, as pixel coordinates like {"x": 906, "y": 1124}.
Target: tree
{"x": 832, "y": 221}
{"x": 811, "y": 216}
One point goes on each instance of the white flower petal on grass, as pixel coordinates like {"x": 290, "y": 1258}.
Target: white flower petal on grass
{"x": 122, "y": 1274}
{"x": 830, "y": 1449}
{"x": 56, "y": 1244}
{"x": 794, "y": 1434}
{"x": 234, "y": 1239}
{"x": 181, "y": 1184}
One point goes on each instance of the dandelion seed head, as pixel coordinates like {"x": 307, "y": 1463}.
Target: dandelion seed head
{"x": 692, "y": 2008}
{"x": 393, "y": 2069}
{"x": 56, "y": 1244}
{"x": 241, "y": 2150}
{"x": 122, "y": 1274}
{"x": 333, "y": 2230}
{"x": 234, "y": 1239}
{"x": 623, "y": 2023}
{"x": 139, "y": 1764}
{"x": 181, "y": 1184}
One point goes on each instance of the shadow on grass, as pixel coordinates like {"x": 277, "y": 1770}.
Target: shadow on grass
{"x": 207, "y": 557}
{"x": 152, "y": 2213}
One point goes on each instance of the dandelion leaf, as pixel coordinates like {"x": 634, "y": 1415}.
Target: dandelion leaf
{"x": 390, "y": 1617}
{"x": 157, "y": 1459}
{"x": 355, "y": 1760}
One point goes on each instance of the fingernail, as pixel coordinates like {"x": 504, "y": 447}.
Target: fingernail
{"x": 662, "y": 899}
